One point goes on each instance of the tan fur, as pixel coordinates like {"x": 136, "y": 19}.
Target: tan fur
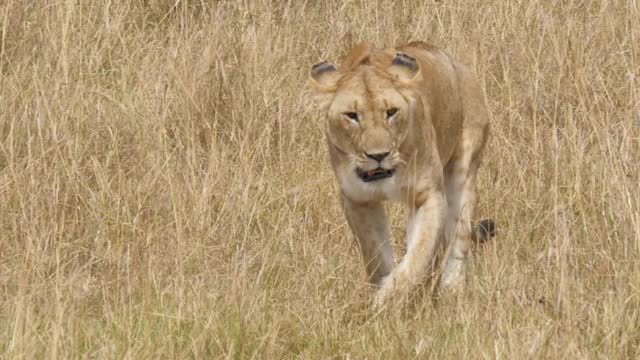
{"x": 434, "y": 143}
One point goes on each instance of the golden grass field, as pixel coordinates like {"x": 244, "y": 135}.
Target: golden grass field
{"x": 165, "y": 190}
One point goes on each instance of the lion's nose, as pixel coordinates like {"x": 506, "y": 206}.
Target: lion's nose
{"x": 378, "y": 156}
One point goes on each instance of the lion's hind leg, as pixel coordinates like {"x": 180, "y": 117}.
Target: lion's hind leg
{"x": 460, "y": 187}
{"x": 460, "y": 190}
{"x": 460, "y": 179}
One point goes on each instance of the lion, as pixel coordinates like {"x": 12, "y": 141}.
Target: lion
{"x": 405, "y": 124}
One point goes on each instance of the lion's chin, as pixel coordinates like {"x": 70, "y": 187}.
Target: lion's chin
{"x": 376, "y": 174}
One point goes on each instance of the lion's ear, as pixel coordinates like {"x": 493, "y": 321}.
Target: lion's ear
{"x": 324, "y": 75}
{"x": 404, "y": 67}
{"x": 323, "y": 81}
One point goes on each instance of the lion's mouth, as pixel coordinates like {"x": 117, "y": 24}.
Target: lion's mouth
{"x": 375, "y": 174}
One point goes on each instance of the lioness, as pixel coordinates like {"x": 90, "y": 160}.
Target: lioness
{"x": 405, "y": 124}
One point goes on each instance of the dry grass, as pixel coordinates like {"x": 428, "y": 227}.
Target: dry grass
{"x": 165, "y": 190}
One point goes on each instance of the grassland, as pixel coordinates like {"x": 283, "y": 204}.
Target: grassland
{"x": 165, "y": 190}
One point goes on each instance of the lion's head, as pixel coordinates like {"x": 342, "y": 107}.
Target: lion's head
{"x": 369, "y": 107}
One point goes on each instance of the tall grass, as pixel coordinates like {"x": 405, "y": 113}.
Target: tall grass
{"x": 165, "y": 189}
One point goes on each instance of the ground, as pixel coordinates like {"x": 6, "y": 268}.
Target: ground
{"x": 165, "y": 190}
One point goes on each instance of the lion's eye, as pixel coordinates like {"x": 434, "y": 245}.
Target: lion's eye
{"x": 351, "y": 115}
{"x": 391, "y": 112}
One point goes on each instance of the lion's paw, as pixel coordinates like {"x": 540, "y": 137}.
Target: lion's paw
{"x": 392, "y": 286}
{"x": 454, "y": 274}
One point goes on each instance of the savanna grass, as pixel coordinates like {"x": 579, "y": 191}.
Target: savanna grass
{"x": 165, "y": 190}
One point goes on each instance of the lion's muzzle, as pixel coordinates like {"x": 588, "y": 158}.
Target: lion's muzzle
{"x": 376, "y": 174}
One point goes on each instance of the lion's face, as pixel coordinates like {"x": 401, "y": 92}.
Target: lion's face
{"x": 368, "y": 116}
{"x": 368, "y": 120}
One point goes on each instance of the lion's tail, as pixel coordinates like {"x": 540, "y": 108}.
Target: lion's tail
{"x": 483, "y": 231}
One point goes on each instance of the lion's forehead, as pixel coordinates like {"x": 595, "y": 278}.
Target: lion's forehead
{"x": 360, "y": 98}
{"x": 365, "y": 89}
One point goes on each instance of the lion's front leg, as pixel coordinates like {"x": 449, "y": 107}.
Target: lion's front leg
{"x": 424, "y": 236}
{"x": 369, "y": 225}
